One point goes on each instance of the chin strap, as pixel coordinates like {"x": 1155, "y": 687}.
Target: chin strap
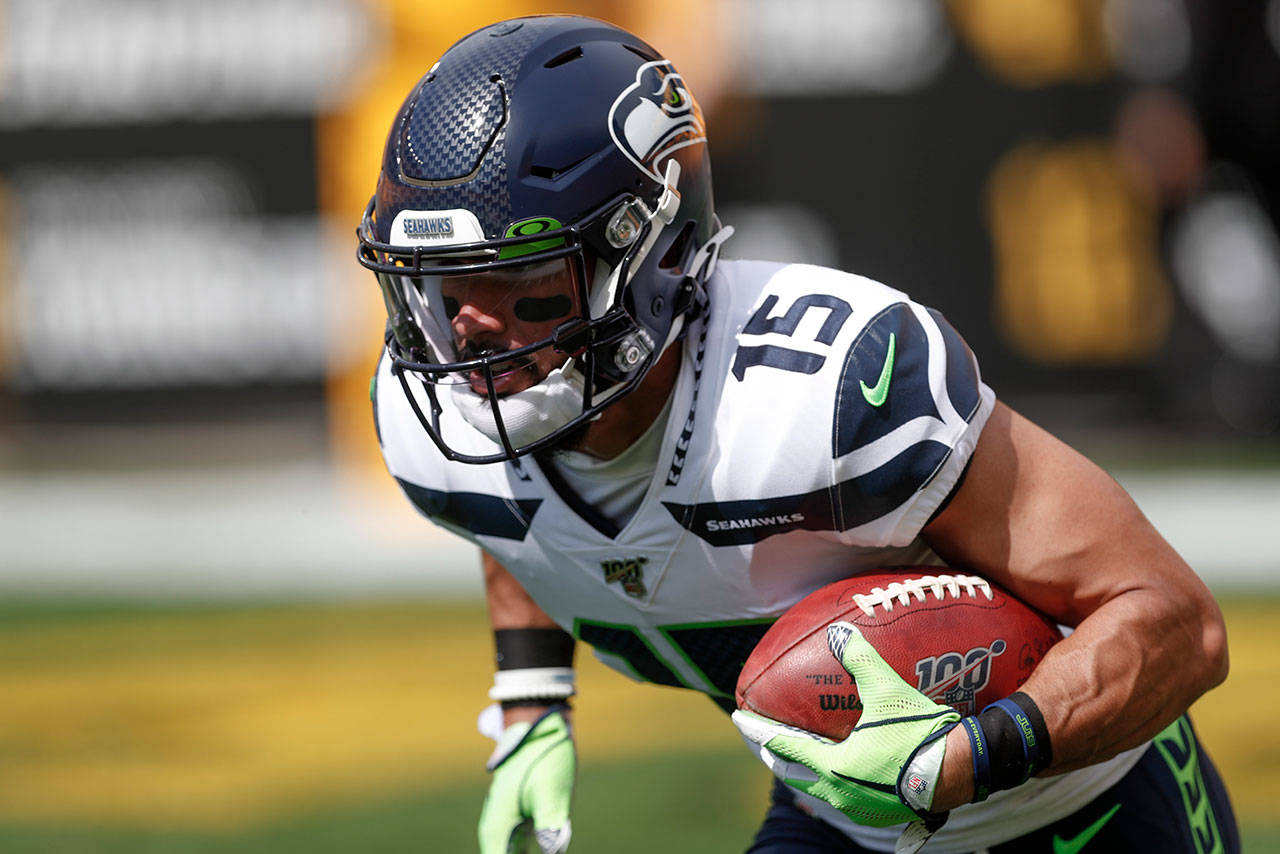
{"x": 701, "y": 266}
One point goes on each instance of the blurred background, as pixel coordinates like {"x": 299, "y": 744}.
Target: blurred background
{"x": 222, "y": 628}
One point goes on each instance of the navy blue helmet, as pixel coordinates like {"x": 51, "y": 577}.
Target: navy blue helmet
{"x": 547, "y": 143}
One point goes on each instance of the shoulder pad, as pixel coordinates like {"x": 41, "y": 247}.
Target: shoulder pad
{"x": 869, "y": 403}
{"x": 470, "y": 500}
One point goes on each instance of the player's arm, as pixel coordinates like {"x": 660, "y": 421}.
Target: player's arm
{"x": 1037, "y": 517}
{"x": 534, "y": 763}
{"x": 526, "y": 639}
{"x": 1053, "y": 528}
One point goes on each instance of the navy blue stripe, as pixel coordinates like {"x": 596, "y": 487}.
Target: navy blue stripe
{"x": 857, "y": 423}
{"x": 728, "y": 523}
{"x": 867, "y": 497}
{"x": 962, "y": 369}
{"x": 627, "y": 643}
{"x": 854, "y": 502}
{"x": 483, "y": 515}
{"x": 587, "y": 512}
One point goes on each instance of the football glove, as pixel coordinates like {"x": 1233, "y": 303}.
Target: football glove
{"x": 863, "y": 776}
{"x": 533, "y": 770}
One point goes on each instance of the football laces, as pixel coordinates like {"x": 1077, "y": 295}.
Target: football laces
{"x": 904, "y": 592}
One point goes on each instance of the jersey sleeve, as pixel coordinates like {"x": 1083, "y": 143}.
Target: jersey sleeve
{"x": 410, "y": 459}
{"x": 909, "y": 407}
{"x": 474, "y": 502}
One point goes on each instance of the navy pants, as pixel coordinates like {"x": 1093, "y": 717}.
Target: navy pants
{"x": 1171, "y": 802}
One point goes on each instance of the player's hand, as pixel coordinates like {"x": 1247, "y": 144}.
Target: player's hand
{"x": 862, "y": 776}
{"x": 533, "y": 769}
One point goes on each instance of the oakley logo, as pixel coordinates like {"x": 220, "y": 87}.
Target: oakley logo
{"x": 655, "y": 117}
{"x": 428, "y": 226}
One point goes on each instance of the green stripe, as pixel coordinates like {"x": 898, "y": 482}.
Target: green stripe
{"x": 1178, "y": 747}
{"x": 669, "y": 633}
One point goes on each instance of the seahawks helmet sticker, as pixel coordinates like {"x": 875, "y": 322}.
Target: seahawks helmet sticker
{"x": 655, "y": 117}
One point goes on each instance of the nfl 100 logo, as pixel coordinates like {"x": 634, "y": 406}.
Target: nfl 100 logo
{"x": 627, "y": 571}
{"x": 954, "y": 679}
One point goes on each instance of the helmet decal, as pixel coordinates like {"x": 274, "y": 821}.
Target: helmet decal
{"x": 435, "y": 228}
{"x": 655, "y": 117}
{"x": 526, "y": 227}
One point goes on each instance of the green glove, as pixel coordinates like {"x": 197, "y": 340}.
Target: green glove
{"x": 533, "y": 769}
{"x": 861, "y": 775}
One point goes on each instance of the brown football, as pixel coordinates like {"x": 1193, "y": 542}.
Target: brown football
{"x": 958, "y": 638}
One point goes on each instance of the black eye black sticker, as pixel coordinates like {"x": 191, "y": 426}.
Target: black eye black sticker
{"x": 451, "y": 307}
{"x": 542, "y": 309}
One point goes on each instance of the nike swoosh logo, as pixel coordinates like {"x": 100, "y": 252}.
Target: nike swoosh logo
{"x": 1080, "y": 840}
{"x": 878, "y": 395}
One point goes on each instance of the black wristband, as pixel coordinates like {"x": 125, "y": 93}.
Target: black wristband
{"x": 559, "y": 705}
{"x": 1035, "y": 734}
{"x": 1016, "y": 741}
{"x": 521, "y": 648}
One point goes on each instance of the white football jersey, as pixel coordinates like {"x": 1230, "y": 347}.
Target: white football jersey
{"x": 820, "y": 419}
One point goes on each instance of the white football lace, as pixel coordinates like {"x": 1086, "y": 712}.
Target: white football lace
{"x": 902, "y": 592}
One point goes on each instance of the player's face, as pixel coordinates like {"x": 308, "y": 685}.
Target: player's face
{"x": 506, "y": 309}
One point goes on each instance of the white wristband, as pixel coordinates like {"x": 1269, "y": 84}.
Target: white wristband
{"x": 533, "y": 683}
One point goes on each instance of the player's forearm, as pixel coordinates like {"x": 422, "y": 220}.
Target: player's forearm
{"x": 1127, "y": 672}
{"x": 528, "y": 644}
{"x": 1058, "y": 532}
{"x": 1118, "y": 680}
{"x": 510, "y": 606}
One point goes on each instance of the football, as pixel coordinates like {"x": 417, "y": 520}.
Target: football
{"x": 959, "y": 639}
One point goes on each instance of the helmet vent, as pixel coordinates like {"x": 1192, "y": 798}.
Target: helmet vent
{"x": 568, "y": 56}
{"x": 553, "y": 172}
{"x": 642, "y": 53}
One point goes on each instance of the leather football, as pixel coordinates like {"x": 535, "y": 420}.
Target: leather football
{"x": 961, "y": 640}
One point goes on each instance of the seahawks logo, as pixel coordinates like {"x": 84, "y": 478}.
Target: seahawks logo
{"x": 655, "y": 117}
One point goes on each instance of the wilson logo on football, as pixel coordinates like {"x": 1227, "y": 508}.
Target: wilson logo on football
{"x": 954, "y": 679}
{"x": 655, "y": 117}
{"x": 839, "y": 702}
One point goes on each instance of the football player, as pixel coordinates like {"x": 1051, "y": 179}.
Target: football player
{"x": 659, "y": 452}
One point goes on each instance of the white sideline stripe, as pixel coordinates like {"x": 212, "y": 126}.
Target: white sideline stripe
{"x": 291, "y": 531}
{"x": 262, "y": 531}
{"x": 1222, "y": 523}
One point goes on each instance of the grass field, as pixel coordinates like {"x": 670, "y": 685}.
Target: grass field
{"x": 341, "y": 727}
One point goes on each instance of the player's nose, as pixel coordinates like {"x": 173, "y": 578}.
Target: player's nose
{"x": 472, "y": 321}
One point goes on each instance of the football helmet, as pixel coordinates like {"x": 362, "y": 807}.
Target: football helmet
{"x": 540, "y": 149}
